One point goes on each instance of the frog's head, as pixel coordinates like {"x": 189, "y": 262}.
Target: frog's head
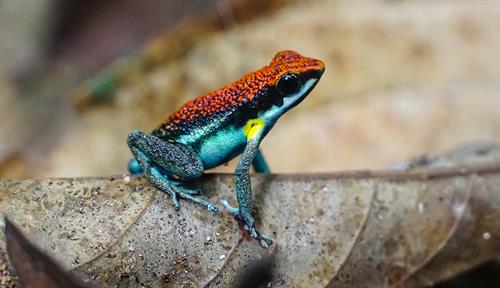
{"x": 294, "y": 76}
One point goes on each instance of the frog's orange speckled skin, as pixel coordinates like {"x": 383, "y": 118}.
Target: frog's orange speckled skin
{"x": 249, "y": 90}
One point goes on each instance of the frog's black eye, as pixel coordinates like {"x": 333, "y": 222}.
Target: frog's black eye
{"x": 288, "y": 84}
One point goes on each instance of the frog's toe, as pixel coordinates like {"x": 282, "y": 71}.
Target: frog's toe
{"x": 190, "y": 195}
{"x": 250, "y": 226}
{"x": 184, "y": 190}
{"x": 264, "y": 241}
{"x": 195, "y": 192}
{"x": 213, "y": 208}
{"x": 233, "y": 210}
{"x": 175, "y": 201}
{"x": 249, "y": 223}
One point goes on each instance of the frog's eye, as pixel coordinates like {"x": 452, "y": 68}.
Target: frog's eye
{"x": 288, "y": 84}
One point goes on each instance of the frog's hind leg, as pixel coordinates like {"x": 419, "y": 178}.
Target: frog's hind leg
{"x": 165, "y": 164}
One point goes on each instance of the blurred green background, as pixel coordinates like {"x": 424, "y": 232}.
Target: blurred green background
{"x": 402, "y": 78}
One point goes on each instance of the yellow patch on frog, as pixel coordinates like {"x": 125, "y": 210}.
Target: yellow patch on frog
{"x": 253, "y": 127}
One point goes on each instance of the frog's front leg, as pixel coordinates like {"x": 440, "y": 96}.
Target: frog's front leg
{"x": 243, "y": 184}
{"x": 165, "y": 164}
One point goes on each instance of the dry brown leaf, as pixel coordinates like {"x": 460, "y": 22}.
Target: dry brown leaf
{"x": 352, "y": 229}
{"x": 33, "y": 268}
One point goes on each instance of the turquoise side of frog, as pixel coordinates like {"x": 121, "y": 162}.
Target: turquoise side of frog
{"x": 216, "y": 127}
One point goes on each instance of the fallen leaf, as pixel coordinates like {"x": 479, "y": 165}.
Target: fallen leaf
{"x": 33, "y": 267}
{"x": 348, "y": 229}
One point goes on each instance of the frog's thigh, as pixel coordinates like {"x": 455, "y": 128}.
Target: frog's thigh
{"x": 175, "y": 160}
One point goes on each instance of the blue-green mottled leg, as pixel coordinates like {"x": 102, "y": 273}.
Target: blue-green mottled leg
{"x": 259, "y": 163}
{"x": 244, "y": 190}
{"x": 161, "y": 161}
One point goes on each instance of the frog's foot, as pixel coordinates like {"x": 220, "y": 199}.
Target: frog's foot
{"x": 165, "y": 184}
{"x": 233, "y": 210}
{"x": 249, "y": 223}
{"x": 178, "y": 186}
{"x": 175, "y": 190}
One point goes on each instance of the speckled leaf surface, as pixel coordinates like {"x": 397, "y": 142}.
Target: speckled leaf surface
{"x": 74, "y": 219}
{"x": 360, "y": 229}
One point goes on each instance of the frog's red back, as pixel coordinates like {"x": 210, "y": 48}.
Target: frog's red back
{"x": 247, "y": 91}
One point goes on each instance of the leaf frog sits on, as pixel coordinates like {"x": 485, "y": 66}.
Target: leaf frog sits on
{"x": 214, "y": 128}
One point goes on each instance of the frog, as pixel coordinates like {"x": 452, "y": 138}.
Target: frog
{"x": 212, "y": 129}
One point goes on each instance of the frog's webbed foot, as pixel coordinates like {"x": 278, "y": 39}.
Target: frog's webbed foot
{"x": 249, "y": 223}
{"x": 178, "y": 186}
{"x": 176, "y": 190}
{"x": 161, "y": 161}
{"x": 192, "y": 195}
